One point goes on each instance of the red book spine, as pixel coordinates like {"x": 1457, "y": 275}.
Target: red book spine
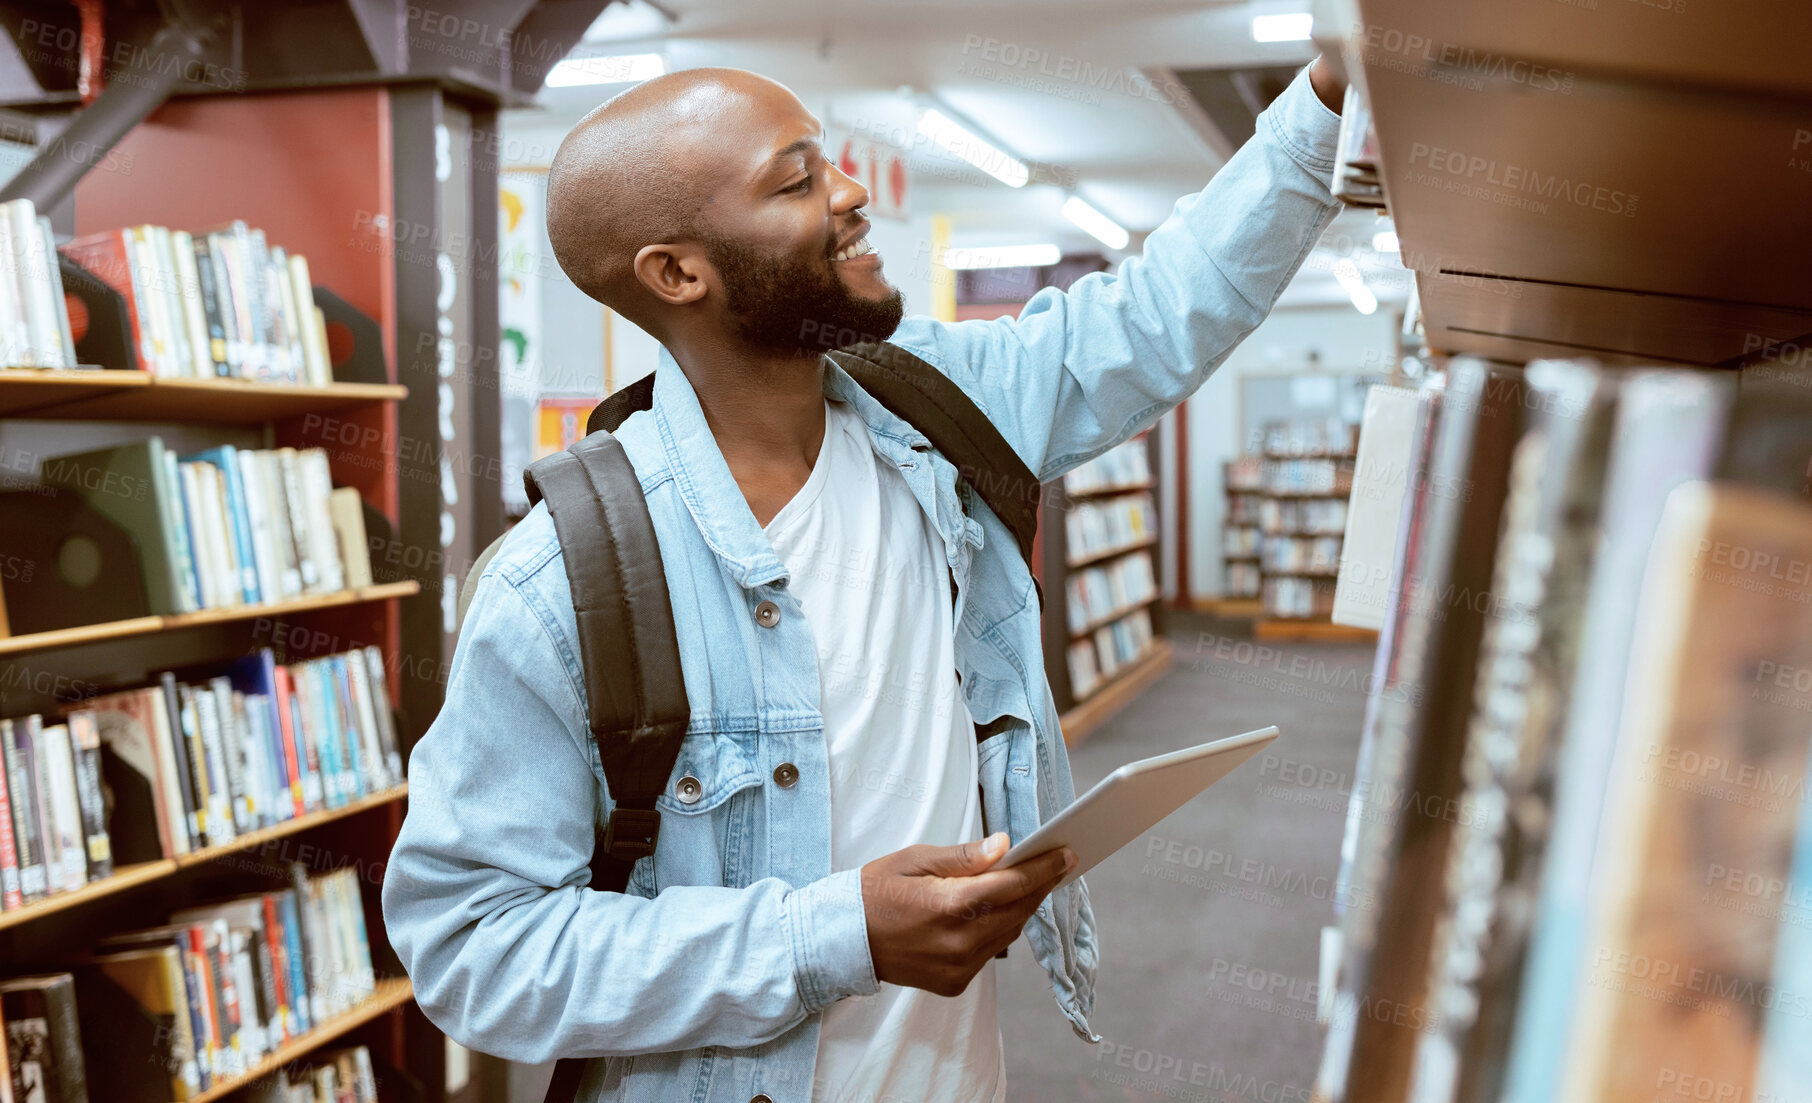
{"x": 204, "y": 973}
{"x": 9, "y": 854}
{"x": 286, "y": 722}
{"x": 273, "y": 937}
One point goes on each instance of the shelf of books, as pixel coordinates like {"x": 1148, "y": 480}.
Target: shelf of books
{"x": 1243, "y": 479}
{"x": 201, "y": 754}
{"x": 1297, "y": 517}
{"x": 1104, "y": 642}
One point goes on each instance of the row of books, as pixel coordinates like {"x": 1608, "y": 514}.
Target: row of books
{"x": 1307, "y": 476}
{"x": 1243, "y": 507}
{"x": 1098, "y": 526}
{"x": 222, "y": 303}
{"x": 1243, "y": 580}
{"x": 168, "y": 769}
{"x": 1329, "y": 436}
{"x": 1296, "y": 597}
{"x": 333, "y": 1076}
{"x": 1096, "y": 592}
{"x": 1125, "y": 464}
{"x": 34, "y": 315}
{"x": 1095, "y": 660}
{"x": 162, "y": 1014}
{"x": 1284, "y": 554}
{"x": 1240, "y": 540}
{"x": 194, "y": 764}
{"x": 1303, "y": 515}
{"x": 1245, "y": 474}
{"x": 224, "y": 526}
{"x": 1580, "y": 808}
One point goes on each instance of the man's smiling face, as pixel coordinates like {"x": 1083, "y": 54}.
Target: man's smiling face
{"x": 783, "y": 230}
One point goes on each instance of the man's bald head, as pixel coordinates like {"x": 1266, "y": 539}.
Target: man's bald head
{"x": 641, "y": 170}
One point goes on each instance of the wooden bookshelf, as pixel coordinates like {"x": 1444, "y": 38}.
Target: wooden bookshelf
{"x": 1237, "y": 488}
{"x": 389, "y": 994}
{"x": 1058, "y": 563}
{"x": 1275, "y": 625}
{"x": 145, "y": 872}
{"x": 62, "y": 394}
{"x": 140, "y": 626}
{"x": 1116, "y": 692}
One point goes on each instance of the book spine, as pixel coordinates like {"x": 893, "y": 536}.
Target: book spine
{"x": 312, "y": 950}
{"x": 241, "y": 526}
{"x": 15, "y": 335}
{"x": 227, "y": 997}
{"x": 194, "y": 310}
{"x": 296, "y": 959}
{"x": 289, "y": 463}
{"x": 198, "y": 718}
{"x": 202, "y": 1018}
{"x": 190, "y": 785}
{"x": 346, "y": 717}
{"x": 66, "y": 1041}
{"x": 270, "y": 1008}
{"x": 258, "y": 521}
{"x": 212, "y": 318}
{"x": 286, "y": 726}
{"x": 27, "y": 822}
{"x": 35, "y": 275}
{"x": 11, "y": 895}
{"x": 58, "y": 758}
{"x": 380, "y": 702}
{"x": 187, "y": 589}
{"x": 59, "y": 304}
{"x": 85, "y": 743}
{"x": 277, "y": 954}
{"x": 225, "y": 741}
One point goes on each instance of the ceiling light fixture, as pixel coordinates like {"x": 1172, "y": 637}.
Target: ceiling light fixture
{"x": 1385, "y": 241}
{"x": 1287, "y": 27}
{"x": 1348, "y": 274}
{"x": 955, "y": 138}
{"x": 573, "y": 72}
{"x": 1002, "y": 256}
{"x": 1099, "y": 226}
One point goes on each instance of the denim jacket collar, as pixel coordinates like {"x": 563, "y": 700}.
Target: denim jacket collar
{"x": 710, "y": 492}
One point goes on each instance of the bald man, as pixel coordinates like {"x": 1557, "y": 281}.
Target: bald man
{"x": 859, "y": 635}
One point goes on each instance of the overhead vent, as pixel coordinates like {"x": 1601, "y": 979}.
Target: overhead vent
{"x": 1232, "y": 98}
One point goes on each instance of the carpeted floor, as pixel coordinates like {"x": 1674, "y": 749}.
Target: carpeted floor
{"x": 1210, "y": 926}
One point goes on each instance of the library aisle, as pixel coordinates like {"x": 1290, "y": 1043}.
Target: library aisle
{"x": 543, "y": 542}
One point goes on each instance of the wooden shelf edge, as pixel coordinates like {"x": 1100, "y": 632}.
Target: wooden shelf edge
{"x": 145, "y": 872}
{"x": 1310, "y": 630}
{"x": 1229, "y": 606}
{"x": 1110, "y": 697}
{"x": 390, "y": 993}
{"x": 1117, "y": 488}
{"x": 1103, "y": 621}
{"x": 1109, "y": 553}
{"x": 140, "y": 626}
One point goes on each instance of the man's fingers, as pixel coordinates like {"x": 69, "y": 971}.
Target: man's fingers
{"x": 1002, "y": 886}
{"x": 963, "y": 860}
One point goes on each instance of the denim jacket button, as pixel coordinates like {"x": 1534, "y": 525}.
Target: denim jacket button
{"x": 767, "y": 614}
{"x": 785, "y": 775}
{"x": 688, "y": 790}
{"x": 761, "y": 1099}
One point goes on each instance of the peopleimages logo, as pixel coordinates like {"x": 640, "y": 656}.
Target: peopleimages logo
{"x": 1518, "y": 179}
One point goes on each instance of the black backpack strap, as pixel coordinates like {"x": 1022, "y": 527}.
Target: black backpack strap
{"x": 615, "y": 410}
{"x": 634, "y": 688}
{"x": 932, "y": 403}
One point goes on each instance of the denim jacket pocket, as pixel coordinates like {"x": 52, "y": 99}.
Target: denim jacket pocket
{"x": 707, "y": 815}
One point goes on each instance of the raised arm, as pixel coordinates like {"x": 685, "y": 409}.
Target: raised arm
{"x": 483, "y": 898}
{"x": 1080, "y": 371}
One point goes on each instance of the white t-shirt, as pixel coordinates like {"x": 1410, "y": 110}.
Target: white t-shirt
{"x": 868, "y": 568}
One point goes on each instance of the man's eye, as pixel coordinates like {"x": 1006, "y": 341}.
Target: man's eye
{"x": 801, "y": 186}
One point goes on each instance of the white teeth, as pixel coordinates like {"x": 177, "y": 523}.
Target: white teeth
{"x": 859, "y": 249}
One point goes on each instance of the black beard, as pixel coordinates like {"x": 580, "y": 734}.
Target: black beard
{"x": 794, "y": 305}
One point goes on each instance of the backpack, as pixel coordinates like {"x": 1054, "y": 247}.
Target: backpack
{"x": 635, "y": 690}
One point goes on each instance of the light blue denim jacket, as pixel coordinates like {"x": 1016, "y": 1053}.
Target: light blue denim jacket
{"x": 704, "y": 981}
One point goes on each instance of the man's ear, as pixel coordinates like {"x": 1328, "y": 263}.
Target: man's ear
{"x": 674, "y": 274}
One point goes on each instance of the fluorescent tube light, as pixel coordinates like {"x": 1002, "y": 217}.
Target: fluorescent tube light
{"x": 1288, "y": 27}
{"x": 573, "y": 72}
{"x": 1099, "y": 226}
{"x": 1002, "y": 256}
{"x": 1385, "y": 241}
{"x": 1348, "y": 274}
{"x": 958, "y": 139}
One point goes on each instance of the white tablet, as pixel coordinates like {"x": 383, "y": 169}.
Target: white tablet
{"x": 1131, "y": 800}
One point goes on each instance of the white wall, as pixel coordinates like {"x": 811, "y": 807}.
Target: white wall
{"x": 1345, "y": 341}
